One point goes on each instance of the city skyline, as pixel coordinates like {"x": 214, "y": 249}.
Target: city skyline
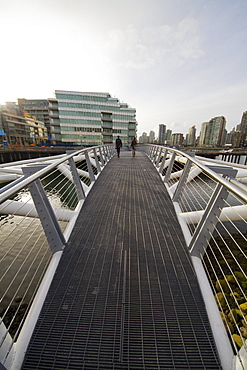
{"x": 179, "y": 63}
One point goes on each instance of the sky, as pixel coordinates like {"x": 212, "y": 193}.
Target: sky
{"x": 178, "y": 62}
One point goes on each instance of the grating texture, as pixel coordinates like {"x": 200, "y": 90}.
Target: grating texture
{"x": 125, "y": 295}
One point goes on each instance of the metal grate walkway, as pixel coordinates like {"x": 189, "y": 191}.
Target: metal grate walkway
{"x": 125, "y": 295}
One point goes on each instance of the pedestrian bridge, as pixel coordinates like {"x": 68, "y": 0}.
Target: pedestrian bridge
{"x": 123, "y": 263}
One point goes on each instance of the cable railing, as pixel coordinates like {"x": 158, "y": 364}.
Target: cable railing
{"x": 211, "y": 205}
{"x": 39, "y": 207}
{"x": 37, "y": 213}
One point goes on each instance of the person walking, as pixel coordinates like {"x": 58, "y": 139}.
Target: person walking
{"x": 133, "y": 146}
{"x": 118, "y": 145}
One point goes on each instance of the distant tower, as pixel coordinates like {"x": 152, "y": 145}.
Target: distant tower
{"x": 217, "y": 134}
{"x": 191, "y": 139}
{"x": 162, "y": 133}
{"x": 151, "y": 137}
{"x": 177, "y": 139}
{"x": 168, "y": 137}
{"x": 213, "y": 133}
{"x": 243, "y": 129}
{"x": 144, "y": 138}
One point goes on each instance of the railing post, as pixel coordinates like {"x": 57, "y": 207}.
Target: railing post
{"x": 77, "y": 181}
{"x": 208, "y": 221}
{"x": 111, "y": 150}
{"x": 105, "y": 156}
{"x": 89, "y": 167}
{"x": 169, "y": 169}
{"x": 45, "y": 211}
{"x": 158, "y": 157}
{"x": 106, "y": 153}
{"x": 182, "y": 181}
{"x": 152, "y": 152}
{"x": 212, "y": 212}
{"x": 101, "y": 157}
{"x": 163, "y": 161}
{"x": 155, "y": 154}
{"x": 96, "y": 160}
{"x": 149, "y": 149}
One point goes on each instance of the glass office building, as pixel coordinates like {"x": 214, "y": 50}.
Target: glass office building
{"x": 88, "y": 119}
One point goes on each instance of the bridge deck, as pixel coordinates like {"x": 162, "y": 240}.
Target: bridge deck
{"x": 125, "y": 295}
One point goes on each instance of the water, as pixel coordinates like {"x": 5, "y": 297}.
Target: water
{"x": 24, "y": 252}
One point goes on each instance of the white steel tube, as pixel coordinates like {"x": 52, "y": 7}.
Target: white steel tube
{"x": 28, "y": 210}
{"x": 32, "y": 317}
{"x": 235, "y": 213}
{"x": 220, "y": 335}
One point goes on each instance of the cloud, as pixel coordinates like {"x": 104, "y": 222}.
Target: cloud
{"x": 143, "y": 48}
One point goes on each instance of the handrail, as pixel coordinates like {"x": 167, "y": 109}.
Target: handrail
{"x": 35, "y": 226}
{"x": 9, "y": 193}
{"x": 232, "y": 187}
{"x": 212, "y": 211}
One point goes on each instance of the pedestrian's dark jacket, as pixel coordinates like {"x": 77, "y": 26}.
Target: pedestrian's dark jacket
{"x": 133, "y": 143}
{"x": 118, "y": 143}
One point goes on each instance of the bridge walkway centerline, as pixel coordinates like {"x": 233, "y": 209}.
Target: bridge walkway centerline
{"x": 125, "y": 294}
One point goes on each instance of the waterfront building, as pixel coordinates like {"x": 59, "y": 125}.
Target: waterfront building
{"x": 168, "y": 137}
{"x": 162, "y": 134}
{"x": 204, "y": 134}
{"x": 20, "y": 130}
{"x": 177, "y": 139}
{"x": 233, "y": 138}
{"x": 218, "y": 131}
{"x": 151, "y": 137}
{"x": 37, "y": 109}
{"x": 243, "y": 129}
{"x": 213, "y": 133}
{"x": 191, "y": 137}
{"x": 143, "y": 139}
{"x": 85, "y": 118}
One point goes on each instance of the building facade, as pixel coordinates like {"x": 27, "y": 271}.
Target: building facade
{"x": 213, "y": 133}
{"x": 151, "y": 137}
{"x": 162, "y": 134}
{"x": 243, "y": 129}
{"x": 191, "y": 137}
{"x": 217, "y": 134}
{"x": 168, "y": 138}
{"x": 87, "y": 119}
{"x": 19, "y": 130}
{"x": 35, "y": 108}
{"x": 177, "y": 139}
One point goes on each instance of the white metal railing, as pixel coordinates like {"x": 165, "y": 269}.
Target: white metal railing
{"x": 38, "y": 208}
{"x": 211, "y": 205}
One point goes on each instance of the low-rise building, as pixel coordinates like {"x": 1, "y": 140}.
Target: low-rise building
{"x": 36, "y": 109}
{"x": 20, "y": 130}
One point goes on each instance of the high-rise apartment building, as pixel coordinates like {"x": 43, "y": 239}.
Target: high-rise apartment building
{"x": 213, "y": 133}
{"x": 243, "y": 129}
{"x": 162, "y": 134}
{"x": 143, "y": 139}
{"x": 90, "y": 118}
{"x": 205, "y": 134}
{"x": 177, "y": 139}
{"x": 168, "y": 137}
{"x": 191, "y": 137}
{"x": 151, "y": 137}
{"x": 217, "y": 134}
